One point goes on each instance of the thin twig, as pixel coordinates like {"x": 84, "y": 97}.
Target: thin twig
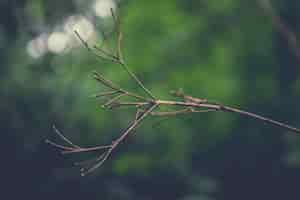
{"x": 120, "y": 55}
{"x": 125, "y": 67}
{"x": 109, "y": 102}
{"x": 120, "y": 139}
{"x": 144, "y": 106}
{"x": 64, "y": 138}
{"x": 101, "y": 56}
{"x": 58, "y": 145}
{"x": 78, "y": 150}
{"x": 219, "y": 107}
{"x": 117, "y": 21}
{"x": 262, "y": 118}
{"x": 104, "y": 94}
{"x": 179, "y": 112}
{"x": 108, "y": 54}
{"x": 115, "y": 87}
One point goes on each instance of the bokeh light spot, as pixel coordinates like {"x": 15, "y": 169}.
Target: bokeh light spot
{"x": 103, "y": 8}
{"x": 37, "y": 47}
{"x": 57, "y": 42}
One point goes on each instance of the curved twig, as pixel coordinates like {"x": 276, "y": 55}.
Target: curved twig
{"x": 144, "y": 106}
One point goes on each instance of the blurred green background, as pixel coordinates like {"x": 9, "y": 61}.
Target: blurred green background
{"x": 227, "y": 51}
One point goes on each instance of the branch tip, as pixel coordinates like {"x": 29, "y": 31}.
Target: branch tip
{"x": 144, "y": 106}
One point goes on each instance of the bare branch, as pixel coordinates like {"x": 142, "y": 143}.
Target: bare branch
{"x": 117, "y": 21}
{"x": 108, "y": 54}
{"x": 109, "y": 102}
{"x": 107, "y": 82}
{"x": 64, "y": 138}
{"x": 179, "y": 112}
{"x": 78, "y": 150}
{"x": 187, "y": 98}
{"x": 259, "y": 117}
{"x": 119, "y": 140}
{"x": 104, "y": 94}
{"x": 145, "y": 106}
{"x": 119, "y": 55}
{"x": 127, "y": 104}
{"x": 117, "y": 88}
{"x": 103, "y": 56}
{"x": 58, "y": 145}
{"x": 85, "y": 44}
{"x": 219, "y": 107}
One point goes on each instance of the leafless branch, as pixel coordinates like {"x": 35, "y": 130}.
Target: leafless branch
{"x": 143, "y": 106}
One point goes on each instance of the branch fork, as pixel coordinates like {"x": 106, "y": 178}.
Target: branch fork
{"x": 144, "y": 106}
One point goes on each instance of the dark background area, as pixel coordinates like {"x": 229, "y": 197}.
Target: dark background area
{"x": 226, "y": 51}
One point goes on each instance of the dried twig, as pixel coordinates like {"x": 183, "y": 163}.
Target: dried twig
{"x": 144, "y": 107}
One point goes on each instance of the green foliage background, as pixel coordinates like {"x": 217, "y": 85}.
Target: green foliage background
{"x": 225, "y": 51}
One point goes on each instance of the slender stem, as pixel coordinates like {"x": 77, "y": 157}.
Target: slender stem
{"x": 108, "y": 54}
{"x": 146, "y": 106}
{"x": 120, "y": 139}
{"x": 189, "y": 104}
{"x": 137, "y": 80}
{"x": 64, "y": 138}
{"x": 135, "y": 104}
{"x": 105, "y": 94}
{"x": 262, "y": 118}
{"x": 179, "y": 112}
{"x": 134, "y": 124}
{"x": 59, "y": 145}
{"x": 219, "y": 107}
{"x": 96, "y": 148}
{"x": 117, "y": 88}
{"x": 137, "y": 96}
{"x": 112, "y": 100}
{"x": 119, "y": 55}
